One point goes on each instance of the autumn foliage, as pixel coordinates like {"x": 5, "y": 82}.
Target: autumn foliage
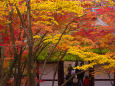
{"x": 29, "y": 28}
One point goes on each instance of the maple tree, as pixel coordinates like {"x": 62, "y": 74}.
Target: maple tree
{"x": 18, "y": 26}
{"x": 62, "y": 28}
{"x": 91, "y": 42}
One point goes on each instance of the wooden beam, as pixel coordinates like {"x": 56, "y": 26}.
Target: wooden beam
{"x": 104, "y": 79}
{"x": 50, "y": 79}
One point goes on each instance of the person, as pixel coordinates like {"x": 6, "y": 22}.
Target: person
{"x": 69, "y": 73}
{"x": 70, "y": 68}
{"x": 69, "y": 83}
{"x": 86, "y": 81}
{"x": 75, "y": 80}
{"x": 80, "y": 76}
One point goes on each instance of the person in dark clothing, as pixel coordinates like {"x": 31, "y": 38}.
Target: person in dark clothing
{"x": 76, "y": 64}
{"x": 80, "y": 76}
{"x": 69, "y": 83}
{"x": 70, "y": 68}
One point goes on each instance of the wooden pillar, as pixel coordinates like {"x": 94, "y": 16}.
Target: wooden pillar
{"x": 60, "y": 73}
{"x": 91, "y": 76}
{"x": 114, "y": 78}
{"x": 0, "y": 63}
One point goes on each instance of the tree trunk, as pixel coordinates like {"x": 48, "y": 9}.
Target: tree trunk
{"x": 30, "y": 59}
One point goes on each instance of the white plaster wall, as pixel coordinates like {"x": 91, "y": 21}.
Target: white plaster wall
{"x": 101, "y": 74}
{"x": 104, "y": 75}
{"x": 103, "y": 83}
{"x": 48, "y": 74}
{"x": 49, "y": 71}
